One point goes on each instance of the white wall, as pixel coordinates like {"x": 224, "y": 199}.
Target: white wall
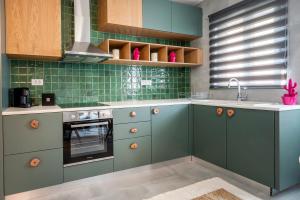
{"x": 200, "y": 76}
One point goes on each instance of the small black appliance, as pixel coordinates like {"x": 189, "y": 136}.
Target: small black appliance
{"x": 48, "y": 99}
{"x": 19, "y": 97}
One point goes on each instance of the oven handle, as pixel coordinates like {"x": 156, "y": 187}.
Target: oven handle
{"x": 89, "y": 124}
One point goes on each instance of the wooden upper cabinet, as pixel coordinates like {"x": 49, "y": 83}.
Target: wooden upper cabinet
{"x": 121, "y": 12}
{"x": 33, "y": 29}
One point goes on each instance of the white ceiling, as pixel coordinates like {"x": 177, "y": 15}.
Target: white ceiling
{"x": 190, "y": 2}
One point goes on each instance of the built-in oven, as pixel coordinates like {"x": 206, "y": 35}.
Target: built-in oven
{"x": 87, "y": 136}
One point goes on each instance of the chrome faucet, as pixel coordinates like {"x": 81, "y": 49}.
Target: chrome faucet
{"x": 240, "y": 97}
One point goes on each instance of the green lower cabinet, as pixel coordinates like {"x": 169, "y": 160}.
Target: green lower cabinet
{"x": 132, "y": 130}
{"x": 21, "y": 174}
{"x": 131, "y": 153}
{"x": 210, "y": 135}
{"x": 287, "y": 149}
{"x": 250, "y": 145}
{"x": 170, "y": 129}
{"x": 48, "y": 134}
{"x": 85, "y": 170}
{"x": 131, "y": 115}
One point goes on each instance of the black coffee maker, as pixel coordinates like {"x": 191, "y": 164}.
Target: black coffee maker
{"x": 19, "y": 97}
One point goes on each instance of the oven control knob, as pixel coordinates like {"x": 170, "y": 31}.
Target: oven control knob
{"x": 73, "y": 116}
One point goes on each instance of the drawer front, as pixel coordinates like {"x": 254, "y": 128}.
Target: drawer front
{"x": 20, "y": 137}
{"x": 132, "y": 130}
{"x": 128, "y": 115}
{"x": 126, "y": 157}
{"x": 21, "y": 176}
{"x": 88, "y": 169}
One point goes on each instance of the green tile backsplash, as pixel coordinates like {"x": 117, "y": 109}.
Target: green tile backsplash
{"x": 81, "y": 83}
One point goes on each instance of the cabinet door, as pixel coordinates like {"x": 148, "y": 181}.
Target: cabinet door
{"x": 21, "y": 175}
{"x": 130, "y": 153}
{"x": 210, "y": 135}
{"x": 169, "y": 132}
{"x": 20, "y": 137}
{"x": 89, "y": 169}
{"x": 186, "y": 19}
{"x": 250, "y": 145}
{"x": 157, "y": 15}
{"x": 33, "y": 28}
{"x": 121, "y": 12}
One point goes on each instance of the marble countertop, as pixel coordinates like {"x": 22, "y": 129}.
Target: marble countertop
{"x": 246, "y": 105}
{"x": 142, "y": 103}
{"x": 32, "y": 110}
{"x": 108, "y": 105}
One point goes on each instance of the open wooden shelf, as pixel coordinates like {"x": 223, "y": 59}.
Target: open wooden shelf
{"x": 192, "y": 55}
{"x": 144, "y": 50}
{"x": 178, "y": 51}
{"x": 161, "y": 50}
{"x": 185, "y": 56}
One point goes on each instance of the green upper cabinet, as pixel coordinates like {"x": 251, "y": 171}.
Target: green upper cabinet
{"x": 157, "y": 15}
{"x": 168, "y": 16}
{"x": 210, "y": 134}
{"x": 250, "y": 145}
{"x": 169, "y": 132}
{"x": 186, "y": 19}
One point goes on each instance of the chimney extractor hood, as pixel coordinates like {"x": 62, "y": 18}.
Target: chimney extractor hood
{"x": 82, "y": 50}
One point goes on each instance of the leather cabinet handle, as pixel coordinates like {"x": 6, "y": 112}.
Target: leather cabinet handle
{"x": 34, "y": 124}
{"x": 133, "y": 130}
{"x": 132, "y": 114}
{"x": 134, "y": 146}
{"x": 230, "y": 113}
{"x": 220, "y": 111}
{"x": 156, "y": 111}
{"x": 35, "y": 162}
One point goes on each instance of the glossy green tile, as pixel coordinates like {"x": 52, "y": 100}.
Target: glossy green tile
{"x": 99, "y": 82}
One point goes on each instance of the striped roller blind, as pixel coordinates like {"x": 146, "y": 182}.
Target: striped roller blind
{"x": 249, "y": 41}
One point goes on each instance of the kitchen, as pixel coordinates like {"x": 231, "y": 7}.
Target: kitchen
{"x": 156, "y": 99}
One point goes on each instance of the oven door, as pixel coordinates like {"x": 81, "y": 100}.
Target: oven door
{"x": 87, "y": 140}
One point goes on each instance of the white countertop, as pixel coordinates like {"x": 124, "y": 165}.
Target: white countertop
{"x": 142, "y": 103}
{"x": 32, "y": 110}
{"x": 246, "y": 105}
{"x": 110, "y": 105}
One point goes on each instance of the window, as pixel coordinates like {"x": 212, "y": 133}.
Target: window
{"x": 249, "y": 41}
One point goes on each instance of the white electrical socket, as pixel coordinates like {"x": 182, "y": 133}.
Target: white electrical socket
{"x": 37, "y": 81}
{"x": 146, "y": 82}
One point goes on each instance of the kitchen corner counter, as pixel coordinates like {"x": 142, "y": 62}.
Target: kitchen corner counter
{"x": 247, "y": 105}
{"x": 32, "y": 110}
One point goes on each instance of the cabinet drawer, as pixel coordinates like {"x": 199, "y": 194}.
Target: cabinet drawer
{"x": 126, "y": 157}
{"x": 21, "y": 176}
{"x": 132, "y": 130}
{"x": 20, "y": 137}
{"x": 88, "y": 169}
{"x": 128, "y": 115}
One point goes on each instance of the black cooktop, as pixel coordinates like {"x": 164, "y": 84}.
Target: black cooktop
{"x": 78, "y": 105}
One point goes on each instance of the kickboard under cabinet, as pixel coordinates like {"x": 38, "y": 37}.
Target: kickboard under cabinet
{"x": 89, "y": 169}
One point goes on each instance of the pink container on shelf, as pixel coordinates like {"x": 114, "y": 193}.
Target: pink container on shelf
{"x": 136, "y": 54}
{"x": 286, "y": 100}
{"x": 291, "y": 97}
{"x": 172, "y": 56}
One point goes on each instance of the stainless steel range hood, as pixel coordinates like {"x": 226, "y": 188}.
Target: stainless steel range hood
{"x": 82, "y": 50}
